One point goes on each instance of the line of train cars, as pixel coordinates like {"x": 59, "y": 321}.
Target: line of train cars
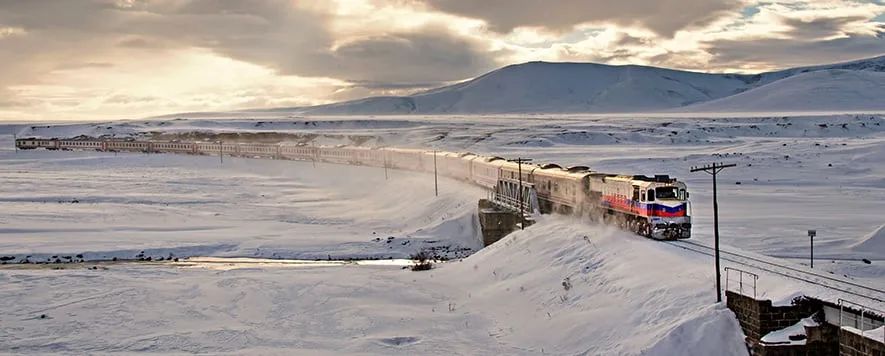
{"x": 657, "y": 207}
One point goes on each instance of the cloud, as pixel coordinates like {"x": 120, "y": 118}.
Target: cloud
{"x": 785, "y": 53}
{"x": 664, "y": 17}
{"x": 293, "y": 38}
{"x": 804, "y": 34}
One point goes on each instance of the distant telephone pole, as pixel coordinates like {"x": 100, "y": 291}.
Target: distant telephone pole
{"x": 14, "y": 139}
{"x": 713, "y": 170}
{"x": 221, "y": 151}
{"x": 435, "y": 181}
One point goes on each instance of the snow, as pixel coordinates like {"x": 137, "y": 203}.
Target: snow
{"x": 626, "y": 294}
{"x": 187, "y": 205}
{"x": 788, "y": 301}
{"x": 874, "y": 241}
{"x": 877, "y": 334}
{"x": 557, "y": 88}
{"x": 782, "y": 336}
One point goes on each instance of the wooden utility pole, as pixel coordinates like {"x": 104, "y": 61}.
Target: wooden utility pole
{"x": 713, "y": 170}
{"x": 435, "y": 181}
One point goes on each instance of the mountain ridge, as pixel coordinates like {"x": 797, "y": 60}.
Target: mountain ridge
{"x": 543, "y": 87}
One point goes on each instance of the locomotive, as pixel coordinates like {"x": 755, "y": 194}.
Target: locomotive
{"x": 657, "y": 207}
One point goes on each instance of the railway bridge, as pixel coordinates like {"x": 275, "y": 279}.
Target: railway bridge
{"x": 512, "y": 204}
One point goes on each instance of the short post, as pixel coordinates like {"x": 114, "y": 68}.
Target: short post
{"x": 221, "y": 151}
{"x": 385, "y": 166}
{"x": 435, "y": 182}
{"x": 811, "y": 235}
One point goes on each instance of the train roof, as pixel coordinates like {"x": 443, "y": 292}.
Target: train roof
{"x": 560, "y": 173}
{"x": 659, "y": 178}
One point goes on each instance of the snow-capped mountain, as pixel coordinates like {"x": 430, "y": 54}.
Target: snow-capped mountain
{"x": 545, "y": 87}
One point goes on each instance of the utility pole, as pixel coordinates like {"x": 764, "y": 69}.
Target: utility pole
{"x": 713, "y": 170}
{"x": 435, "y": 182}
{"x": 385, "y": 164}
{"x": 221, "y": 151}
{"x": 812, "y": 234}
{"x": 14, "y": 139}
{"x": 519, "y": 162}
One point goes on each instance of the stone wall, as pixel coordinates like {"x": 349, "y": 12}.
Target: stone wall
{"x": 851, "y": 344}
{"x": 760, "y": 317}
{"x": 495, "y": 224}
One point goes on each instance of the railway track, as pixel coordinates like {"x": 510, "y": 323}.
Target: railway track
{"x": 825, "y": 281}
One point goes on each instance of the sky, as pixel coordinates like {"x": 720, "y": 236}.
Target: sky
{"x": 127, "y": 59}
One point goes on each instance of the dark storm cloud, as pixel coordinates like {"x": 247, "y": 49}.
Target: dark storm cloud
{"x": 627, "y": 40}
{"x": 789, "y": 53}
{"x": 665, "y": 17}
{"x": 819, "y": 28}
{"x": 810, "y": 42}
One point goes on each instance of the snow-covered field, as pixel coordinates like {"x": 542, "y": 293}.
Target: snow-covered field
{"x": 547, "y": 289}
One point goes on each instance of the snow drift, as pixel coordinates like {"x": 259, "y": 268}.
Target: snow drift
{"x": 873, "y": 242}
{"x": 568, "y": 287}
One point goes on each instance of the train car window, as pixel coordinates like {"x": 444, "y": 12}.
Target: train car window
{"x": 682, "y": 194}
{"x": 635, "y": 193}
{"x": 651, "y": 195}
{"x": 642, "y": 197}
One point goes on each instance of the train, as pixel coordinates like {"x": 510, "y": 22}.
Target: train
{"x": 656, "y": 207}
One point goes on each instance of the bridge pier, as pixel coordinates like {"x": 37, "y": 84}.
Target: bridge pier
{"x": 496, "y": 223}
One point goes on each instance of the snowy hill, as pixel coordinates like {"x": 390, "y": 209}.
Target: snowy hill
{"x": 545, "y": 87}
{"x": 825, "y": 90}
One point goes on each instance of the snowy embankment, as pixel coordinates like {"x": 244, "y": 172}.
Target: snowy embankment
{"x": 560, "y": 287}
{"x": 575, "y": 282}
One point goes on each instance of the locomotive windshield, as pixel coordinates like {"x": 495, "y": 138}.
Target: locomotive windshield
{"x": 665, "y": 193}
